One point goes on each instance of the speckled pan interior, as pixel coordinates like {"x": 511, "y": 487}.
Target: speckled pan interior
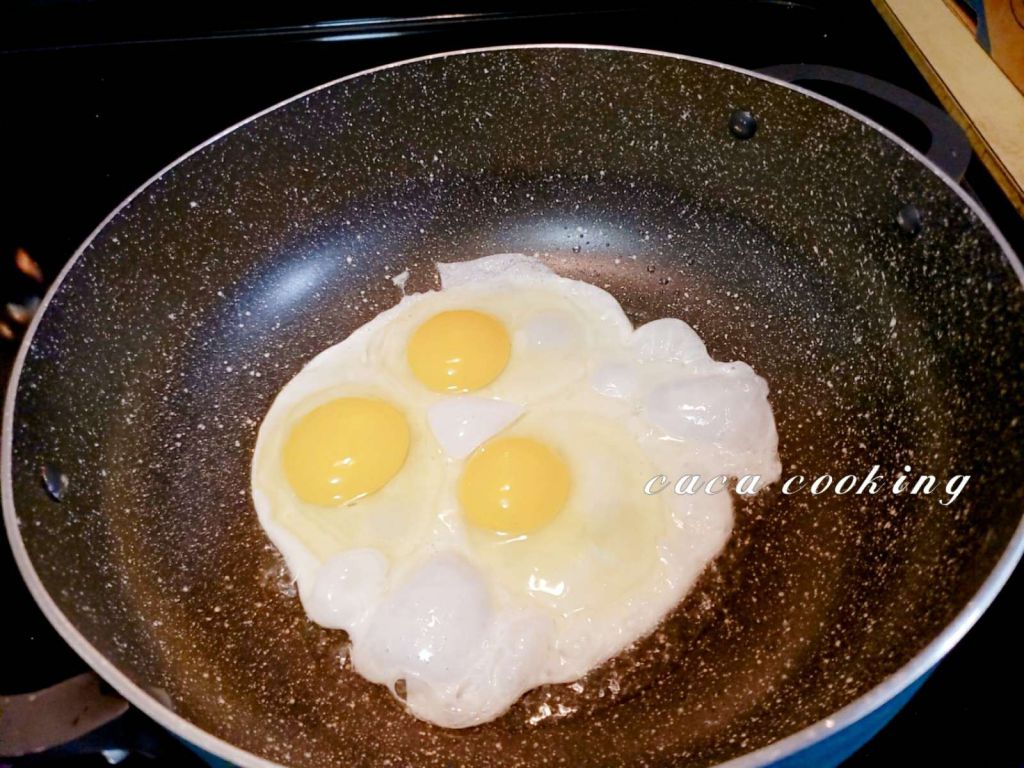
{"x": 166, "y": 342}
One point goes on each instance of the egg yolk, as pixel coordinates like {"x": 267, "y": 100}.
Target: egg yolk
{"x": 513, "y": 485}
{"x": 345, "y": 449}
{"x": 459, "y": 351}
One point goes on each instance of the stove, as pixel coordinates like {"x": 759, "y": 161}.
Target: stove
{"x": 101, "y": 95}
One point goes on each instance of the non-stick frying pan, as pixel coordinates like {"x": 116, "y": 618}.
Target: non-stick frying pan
{"x": 871, "y": 292}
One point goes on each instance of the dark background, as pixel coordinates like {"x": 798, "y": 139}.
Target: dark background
{"x": 98, "y": 96}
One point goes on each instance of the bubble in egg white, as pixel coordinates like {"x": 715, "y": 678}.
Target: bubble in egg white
{"x": 668, "y": 340}
{"x": 460, "y": 659}
{"x": 346, "y": 586}
{"x": 462, "y": 423}
{"x": 617, "y": 380}
{"x": 722, "y": 411}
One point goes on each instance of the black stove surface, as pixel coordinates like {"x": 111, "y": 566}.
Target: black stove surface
{"x": 98, "y": 96}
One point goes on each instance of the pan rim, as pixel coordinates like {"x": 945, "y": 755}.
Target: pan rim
{"x": 856, "y": 710}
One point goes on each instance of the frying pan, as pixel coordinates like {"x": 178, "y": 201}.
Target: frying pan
{"x": 874, "y": 296}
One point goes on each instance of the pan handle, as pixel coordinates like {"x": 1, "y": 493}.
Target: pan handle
{"x": 950, "y": 149}
{"x": 81, "y": 716}
{"x": 35, "y": 722}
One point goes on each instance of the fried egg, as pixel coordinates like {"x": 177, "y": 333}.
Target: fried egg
{"x": 459, "y": 484}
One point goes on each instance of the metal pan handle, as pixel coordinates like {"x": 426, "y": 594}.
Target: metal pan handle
{"x": 950, "y": 149}
{"x": 32, "y": 723}
{"x": 81, "y": 716}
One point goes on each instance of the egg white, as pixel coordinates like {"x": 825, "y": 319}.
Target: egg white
{"x": 469, "y": 621}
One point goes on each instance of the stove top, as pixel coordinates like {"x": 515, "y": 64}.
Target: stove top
{"x": 101, "y": 95}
